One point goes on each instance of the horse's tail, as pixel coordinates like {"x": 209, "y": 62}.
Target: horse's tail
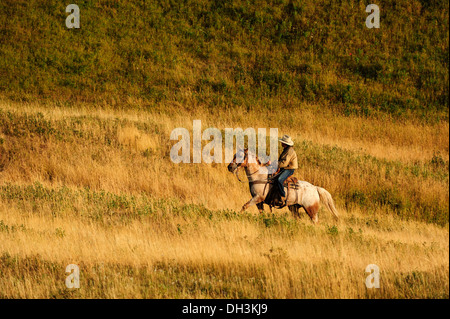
{"x": 325, "y": 198}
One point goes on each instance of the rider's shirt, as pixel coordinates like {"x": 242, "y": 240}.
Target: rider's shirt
{"x": 288, "y": 159}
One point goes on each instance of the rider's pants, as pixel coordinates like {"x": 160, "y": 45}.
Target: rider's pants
{"x": 281, "y": 178}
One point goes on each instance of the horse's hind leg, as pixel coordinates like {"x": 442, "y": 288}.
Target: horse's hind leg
{"x": 294, "y": 210}
{"x": 297, "y": 209}
{"x": 313, "y": 212}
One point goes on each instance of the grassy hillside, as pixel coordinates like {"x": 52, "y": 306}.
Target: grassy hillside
{"x": 272, "y": 54}
{"x": 86, "y": 177}
{"x": 97, "y": 188}
{"x": 400, "y": 169}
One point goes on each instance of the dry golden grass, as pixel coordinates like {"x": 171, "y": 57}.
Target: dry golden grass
{"x": 298, "y": 262}
{"x": 121, "y": 166}
{"x": 153, "y": 250}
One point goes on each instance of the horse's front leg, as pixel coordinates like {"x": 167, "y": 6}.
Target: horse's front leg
{"x": 260, "y": 207}
{"x": 255, "y": 200}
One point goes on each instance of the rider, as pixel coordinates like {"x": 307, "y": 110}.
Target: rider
{"x": 287, "y": 164}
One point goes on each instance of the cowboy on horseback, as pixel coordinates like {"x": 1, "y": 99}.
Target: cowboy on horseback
{"x": 287, "y": 164}
{"x": 305, "y": 195}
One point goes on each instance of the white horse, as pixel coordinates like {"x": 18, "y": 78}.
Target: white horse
{"x": 303, "y": 195}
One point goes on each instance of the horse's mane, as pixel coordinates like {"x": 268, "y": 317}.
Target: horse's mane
{"x": 246, "y": 150}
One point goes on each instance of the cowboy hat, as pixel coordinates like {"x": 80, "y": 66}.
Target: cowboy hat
{"x": 286, "y": 139}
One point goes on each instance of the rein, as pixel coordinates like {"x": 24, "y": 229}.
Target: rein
{"x": 268, "y": 181}
{"x": 237, "y": 175}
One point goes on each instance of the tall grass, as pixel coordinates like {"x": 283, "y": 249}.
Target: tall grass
{"x": 86, "y": 177}
{"x": 141, "y": 247}
{"x": 96, "y": 187}
{"x": 129, "y": 152}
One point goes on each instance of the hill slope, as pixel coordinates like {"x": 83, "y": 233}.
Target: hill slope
{"x": 230, "y": 53}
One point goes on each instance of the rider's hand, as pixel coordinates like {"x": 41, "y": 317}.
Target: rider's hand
{"x": 269, "y": 163}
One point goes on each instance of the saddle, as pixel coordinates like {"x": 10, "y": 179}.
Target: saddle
{"x": 291, "y": 181}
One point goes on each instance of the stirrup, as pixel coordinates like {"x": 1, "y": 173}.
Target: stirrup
{"x": 280, "y": 203}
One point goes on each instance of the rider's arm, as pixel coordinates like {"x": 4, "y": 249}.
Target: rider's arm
{"x": 285, "y": 159}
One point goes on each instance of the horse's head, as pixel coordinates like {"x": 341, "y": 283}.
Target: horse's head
{"x": 239, "y": 160}
{"x": 242, "y": 158}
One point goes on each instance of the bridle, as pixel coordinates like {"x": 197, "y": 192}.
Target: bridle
{"x": 248, "y": 175}
{"x": 245, "y": 164}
